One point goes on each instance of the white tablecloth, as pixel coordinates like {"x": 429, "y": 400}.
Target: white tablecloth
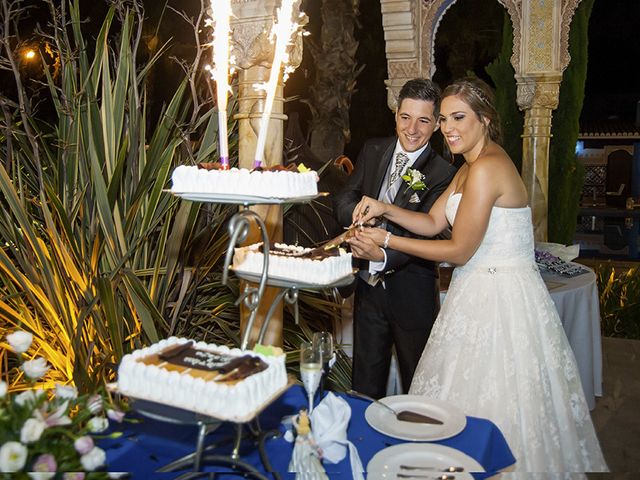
{"x": 579, "y": 309}
{"x": 576, "y": 299}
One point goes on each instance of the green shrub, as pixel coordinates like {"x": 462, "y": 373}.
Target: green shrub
{"x": 619, "y": 301}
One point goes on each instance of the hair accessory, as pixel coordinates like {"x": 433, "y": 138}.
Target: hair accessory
{"x": 479, "y": 93}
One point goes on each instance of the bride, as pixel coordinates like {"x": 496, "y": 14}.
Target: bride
{"x": 497, "y": 349}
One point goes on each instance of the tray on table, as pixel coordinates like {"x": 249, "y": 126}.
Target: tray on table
{"x": 175, "y": 414}
{"x": 284, "y": 282}
{"x": 243, "y": 199}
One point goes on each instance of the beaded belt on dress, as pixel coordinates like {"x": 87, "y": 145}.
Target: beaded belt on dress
{"x": 499, "y": 268}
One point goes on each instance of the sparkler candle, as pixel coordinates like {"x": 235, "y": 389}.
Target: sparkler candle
{"x": 283, "y": 30}
{"x": 221, "y": 12}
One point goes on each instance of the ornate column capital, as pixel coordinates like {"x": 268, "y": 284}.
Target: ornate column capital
{"x": 538, "y": 90}
{"x": 250, "y": 30}
{"x": 401, "y": 35}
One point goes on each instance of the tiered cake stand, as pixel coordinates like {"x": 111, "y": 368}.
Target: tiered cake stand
{"x": 251, "y": 296}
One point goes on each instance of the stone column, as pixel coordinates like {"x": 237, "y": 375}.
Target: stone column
{"x": 538, "y": 97}
{"x": 253, "y": 52}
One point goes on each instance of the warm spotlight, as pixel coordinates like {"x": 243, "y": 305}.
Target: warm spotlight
{"x": 30, "y": 54}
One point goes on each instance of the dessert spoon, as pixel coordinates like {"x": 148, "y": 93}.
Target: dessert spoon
{"x": 405, "y": 415}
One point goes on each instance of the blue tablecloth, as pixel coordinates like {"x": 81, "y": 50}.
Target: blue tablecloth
{"x": 150, "y": 444}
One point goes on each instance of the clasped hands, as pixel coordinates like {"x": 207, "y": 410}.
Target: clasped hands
{"x": 366, "y": 242}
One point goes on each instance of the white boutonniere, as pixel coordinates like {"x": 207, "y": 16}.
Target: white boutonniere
{"x": 414, "y": 180}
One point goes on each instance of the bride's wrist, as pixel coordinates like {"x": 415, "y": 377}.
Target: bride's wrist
{"x": 387, "y": 237}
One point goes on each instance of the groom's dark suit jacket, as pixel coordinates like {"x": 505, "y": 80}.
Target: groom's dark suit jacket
{"x": 409, "y": 300}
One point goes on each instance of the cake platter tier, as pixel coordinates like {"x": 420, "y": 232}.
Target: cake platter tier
{"x": 243, "y": 199}
{"x": 174, "y": 414}
{"x": 282, "y": 282}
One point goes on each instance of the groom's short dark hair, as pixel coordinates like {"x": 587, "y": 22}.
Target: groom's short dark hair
{"x": 421, "y": 89}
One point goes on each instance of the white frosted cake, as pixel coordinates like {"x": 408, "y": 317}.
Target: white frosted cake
{"x": 314, "y": 266}
{"x": 229, "y": 384}
{"x": 275, "y": 183}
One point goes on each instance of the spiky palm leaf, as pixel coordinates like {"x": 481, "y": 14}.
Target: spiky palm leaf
{"x": 95, "y": 257}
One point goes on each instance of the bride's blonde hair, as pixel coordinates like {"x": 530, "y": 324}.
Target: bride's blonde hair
{"x": 479, "y": 96}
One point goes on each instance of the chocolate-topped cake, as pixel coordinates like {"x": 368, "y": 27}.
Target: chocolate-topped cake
{"x": 225, "y": 383}
{"x": 318, "y": 266}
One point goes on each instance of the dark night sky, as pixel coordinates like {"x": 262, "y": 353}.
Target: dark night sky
{"x": 612, "y": 87}
{"x": 613, "y": 77}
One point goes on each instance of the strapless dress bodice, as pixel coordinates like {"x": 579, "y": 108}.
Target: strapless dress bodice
{"x": 508, "y": 240}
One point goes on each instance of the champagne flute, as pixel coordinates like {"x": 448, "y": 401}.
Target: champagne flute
{"x": 323, "y": 341}
{"x": 310, "y": 370}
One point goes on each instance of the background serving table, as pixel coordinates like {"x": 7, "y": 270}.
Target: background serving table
{"x": 147, "y": 446}
{"x": 578, "y": 305}
{"x": 576, "y": 299}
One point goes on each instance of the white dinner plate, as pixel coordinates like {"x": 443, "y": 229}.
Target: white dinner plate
{"x": 386, "y": 463}
{"x": 382, "y": 420}
{"x": 241, "y": 199}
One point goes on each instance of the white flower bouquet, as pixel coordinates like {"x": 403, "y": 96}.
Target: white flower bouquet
{"x": 45, "y": 433}
{"x": 414, "y": 180}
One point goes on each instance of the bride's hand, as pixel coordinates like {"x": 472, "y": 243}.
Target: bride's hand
{"x": 367, "y": 210}
{"x": 375, "y": 235}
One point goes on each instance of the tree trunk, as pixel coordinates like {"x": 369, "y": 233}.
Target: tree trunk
{"x": 335, "y": 78}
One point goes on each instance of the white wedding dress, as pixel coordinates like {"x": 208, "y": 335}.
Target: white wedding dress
{"x": 498, "y": 350}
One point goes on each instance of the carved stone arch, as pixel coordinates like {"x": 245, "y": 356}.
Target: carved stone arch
{"x": 568, "y": 9}
{"x": 432, "y": 13}
{"x": 410, "y": 28}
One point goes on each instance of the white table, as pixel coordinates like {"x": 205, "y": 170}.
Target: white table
{"x": 577, "y": 302}
{"x": 578, "y": 305}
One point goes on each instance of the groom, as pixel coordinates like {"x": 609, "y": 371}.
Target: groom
{"x": 396, "y": 297}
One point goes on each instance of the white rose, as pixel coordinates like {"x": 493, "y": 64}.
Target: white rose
{"x": 13, "y": 456}
{"x": 41, "y": 475}
{"x": 3, "y": 388}
{"x": 94, "y": 459}
{"x": 32, "y": 430}
{"x": 28, "y": 396}
{"x": 98, "y": 424}
{"x": 20, "y": 340}
{"x": 83, "y": 444}
{"x": 66, "y": 391}
{"x": 115, "y": 415}
{"x": 35, "y": 368}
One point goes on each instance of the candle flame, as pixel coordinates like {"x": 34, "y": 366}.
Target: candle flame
{"x": 220, "y": 19}
{"x": 283, "y": 31}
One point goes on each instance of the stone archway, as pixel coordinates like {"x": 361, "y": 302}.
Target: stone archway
{"x": 540, "y": 55}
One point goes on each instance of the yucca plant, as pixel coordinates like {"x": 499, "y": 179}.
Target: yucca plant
{"x": 95, "y": 260}
{"x": 619, "y": 301}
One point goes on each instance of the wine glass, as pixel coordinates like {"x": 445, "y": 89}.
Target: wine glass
{"x": 310, "y": 370}
{"x": 323, "y": 341}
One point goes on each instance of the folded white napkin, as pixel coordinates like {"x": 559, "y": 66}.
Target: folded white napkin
{"x": 566, "y": 253}
{"x": 329, "y": 422}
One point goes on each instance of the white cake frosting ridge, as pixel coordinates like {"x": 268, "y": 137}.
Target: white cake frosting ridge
{"x": 241, "y": 181}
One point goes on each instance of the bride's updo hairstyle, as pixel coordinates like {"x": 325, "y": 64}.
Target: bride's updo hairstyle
{"x": 479, "y": 96}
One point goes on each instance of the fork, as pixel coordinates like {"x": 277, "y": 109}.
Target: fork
{"x": 411, "y": 475}
{"x": 432, "y": 469}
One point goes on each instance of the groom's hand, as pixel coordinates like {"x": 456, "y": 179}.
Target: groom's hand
{"x": 365, "y": 248}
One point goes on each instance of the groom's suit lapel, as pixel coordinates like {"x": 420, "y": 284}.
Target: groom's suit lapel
{"x": 381, "y": 171}
{"x": 423, "y": 165}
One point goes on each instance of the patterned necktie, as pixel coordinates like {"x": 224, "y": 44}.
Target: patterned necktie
{"x": 401, "y": 160}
